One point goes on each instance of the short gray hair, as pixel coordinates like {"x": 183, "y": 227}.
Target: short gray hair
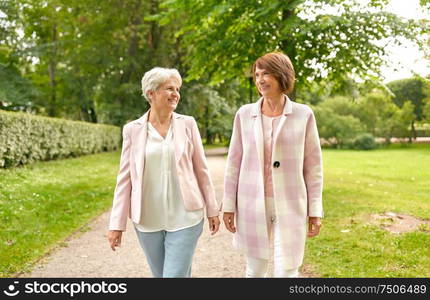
{"x": 157, "y": 76}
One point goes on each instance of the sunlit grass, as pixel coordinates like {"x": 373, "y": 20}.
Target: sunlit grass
{"x": 360, "y": 183}
{"x": 43, "y": 203}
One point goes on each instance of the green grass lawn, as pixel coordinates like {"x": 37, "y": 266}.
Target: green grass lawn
{"x": 212, "y": 146}
{"x": 43, "y": 203}
{"x": 358, "y": 184}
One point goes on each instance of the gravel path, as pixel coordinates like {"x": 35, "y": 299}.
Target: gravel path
{"x": 88, "y": 254}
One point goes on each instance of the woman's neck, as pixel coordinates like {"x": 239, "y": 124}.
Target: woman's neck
{"x": 160, "y": 117}
{"x": 273, "y": 106}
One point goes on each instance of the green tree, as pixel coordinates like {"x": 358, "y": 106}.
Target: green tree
{"x": 337, "y": 123}
{"x": 225, "y": 37}
{"x": 86, "y": 58}
{"x": 214, "y": 112}
{"x": 16, "y": 92}
{"x": 382, "y": 118}
{"x": 426, "y": 111}
{"x": 414, "y": 89}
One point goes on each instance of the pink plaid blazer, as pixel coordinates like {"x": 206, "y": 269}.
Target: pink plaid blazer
{"x": 194, "y": 180}
{"x": 297, "y": 182}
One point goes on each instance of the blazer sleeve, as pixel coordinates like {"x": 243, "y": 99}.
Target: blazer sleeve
{"x": 122, "y": 194}
{"x": 232, "y": 172}
{"x": 312, "y": 168}
{"x": 201, "y": 171}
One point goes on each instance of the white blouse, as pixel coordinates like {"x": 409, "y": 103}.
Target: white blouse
{"x": 162, "y": 204}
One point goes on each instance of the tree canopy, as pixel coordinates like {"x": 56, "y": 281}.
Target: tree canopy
{"x": 326, "y": 39}
{"x": 84, "y": 59}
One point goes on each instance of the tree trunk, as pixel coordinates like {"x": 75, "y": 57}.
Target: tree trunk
{"x": 288, "y": 46}
{"x": 155, "y": 30}
{"x": 208, "y": 133}
{"x": 92, "y": 113}
{"x": 132, "y": 50}
{"x": 52, "y": 68}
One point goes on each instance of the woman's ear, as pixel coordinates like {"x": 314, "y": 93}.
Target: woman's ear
{"x": 150, "y": 95}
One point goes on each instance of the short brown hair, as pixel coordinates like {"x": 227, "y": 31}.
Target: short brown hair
{"x": 279, "y": 65}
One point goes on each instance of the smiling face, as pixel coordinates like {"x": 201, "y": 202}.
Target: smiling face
{"x": 274, "y": 73}
{"x": 166, "y": 96}
{"x": 266, "y": 83}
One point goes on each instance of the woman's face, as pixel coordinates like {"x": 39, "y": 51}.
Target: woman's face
{"x": 266, "y": 83}
{"x": 166, "y": 96}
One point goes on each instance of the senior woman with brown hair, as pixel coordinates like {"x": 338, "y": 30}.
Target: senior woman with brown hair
{"x": 163, "y": 182}
{"x": 273, "y": 181}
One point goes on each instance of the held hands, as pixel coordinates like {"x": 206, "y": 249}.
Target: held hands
{"x": 213, "y": 224}
{"x": 114, "y": 238}
{"x": 229, "y": 221}
{"x": 314, "y": 226}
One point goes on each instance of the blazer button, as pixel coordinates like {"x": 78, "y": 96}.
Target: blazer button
{"x": 276, "y": 164}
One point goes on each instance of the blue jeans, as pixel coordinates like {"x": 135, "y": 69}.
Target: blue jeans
{"x": 170, "y": 254}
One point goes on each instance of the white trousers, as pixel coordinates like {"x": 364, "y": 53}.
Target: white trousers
{"x": 257, "y": 267}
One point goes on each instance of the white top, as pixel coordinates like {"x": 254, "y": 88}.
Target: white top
{"x": 162, "y": 204}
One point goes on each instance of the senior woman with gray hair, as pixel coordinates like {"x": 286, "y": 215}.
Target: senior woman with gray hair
{"x": 163, "y": 182}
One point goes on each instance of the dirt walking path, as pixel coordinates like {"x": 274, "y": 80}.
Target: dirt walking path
{"x": 88, "y": 254}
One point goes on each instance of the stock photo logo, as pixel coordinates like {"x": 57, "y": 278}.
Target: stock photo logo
{"x": 11, "y": 290}
{"x": 72, "y": 289}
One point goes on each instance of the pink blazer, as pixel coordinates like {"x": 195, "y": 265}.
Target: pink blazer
{"x": 297, "y": 180}
{"x": 194, "y": 180}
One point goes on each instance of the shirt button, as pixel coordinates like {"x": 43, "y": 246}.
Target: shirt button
{"x": 276, "y": 164}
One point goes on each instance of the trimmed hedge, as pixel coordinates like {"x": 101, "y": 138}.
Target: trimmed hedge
{"x": 25, "y": 138}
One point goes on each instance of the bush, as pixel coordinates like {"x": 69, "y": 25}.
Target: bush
{"x": 383, "y": 118}
{"x": 337, "y": 129}
{"x": 27, "y": 138}
{"x": 364, "y": 141}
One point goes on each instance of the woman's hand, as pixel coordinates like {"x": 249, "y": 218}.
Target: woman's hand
{"x": 213, "y": 224}
{"x": 314, "y": 226}
{"x": 114, "y": 237}
{"x": 228, "y": 218}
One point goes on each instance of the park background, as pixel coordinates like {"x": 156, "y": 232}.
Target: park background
{"x": 70, "y": 76}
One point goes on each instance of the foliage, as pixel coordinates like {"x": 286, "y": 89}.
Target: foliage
{"x": 364, "y": 141}
{"x": 426, "y": 111}
{"x": 27, "y": 138}
{"x": 414, "y": 89}
{"x": 336, "y": 121}
{"x": 314, "y": 94}
{"x": 16, "y": 92}
{"x": 86, "y": 58}
{"x": 341, "y": 120}
{"x": 325, "y": 39}
{"x": 83, "y": 60}
{"x": 401, "y": 119}
{"x": 214, "y": 113}
{"x": 382, "y": 118}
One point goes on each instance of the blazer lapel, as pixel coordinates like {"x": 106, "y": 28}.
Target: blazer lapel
{"x": 141, "y": 133}
{"x": 258, "y": 132}
{"x": 179, "y": 134}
